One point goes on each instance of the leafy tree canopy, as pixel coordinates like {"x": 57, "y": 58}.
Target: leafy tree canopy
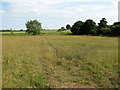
{"x": 89, "y": 27}
{"x": 77, "y": 27}
{"x": 103, "y": 23}
{"x": 33, "y": 27}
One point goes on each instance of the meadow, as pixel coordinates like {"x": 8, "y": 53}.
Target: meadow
{"x": 46, "y": 32}
{"x": 59, "y": 60}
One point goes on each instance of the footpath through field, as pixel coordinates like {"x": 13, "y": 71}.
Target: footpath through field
{"x": 59, "y": 61}
{"x": 52, "y": 66}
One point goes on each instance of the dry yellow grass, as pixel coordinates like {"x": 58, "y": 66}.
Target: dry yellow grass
{"x": 59, "y": 61}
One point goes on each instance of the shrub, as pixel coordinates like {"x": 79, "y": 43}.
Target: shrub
{"x": 77, "y": 28}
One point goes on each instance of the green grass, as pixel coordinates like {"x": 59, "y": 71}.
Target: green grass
{"x": 54, "y": 59}
{"x": 43, "y": 32}
{"x": 15, "y": 33}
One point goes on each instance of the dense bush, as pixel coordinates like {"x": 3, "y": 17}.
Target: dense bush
{"x": 77, "y": 28}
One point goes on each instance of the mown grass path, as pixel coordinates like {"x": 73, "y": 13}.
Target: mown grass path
{"x": 59, "y": 61}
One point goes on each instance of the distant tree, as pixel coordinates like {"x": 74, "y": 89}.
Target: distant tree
{"x": 33, "y": 27}
{"x": 11, "y": 31}
{"x": 89, "y": 27}
{"x": 68, "y": 26}
{"x": 61, "y": 29}
{"x": 77, "y": 27}
{"x": 102, "y": 24}
{"x": 5, "y": 30}
{"x": 21, "y": 30}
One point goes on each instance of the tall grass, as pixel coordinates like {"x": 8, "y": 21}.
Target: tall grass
{"x": 98, "y": 56}
{"x": 59, "y": 61}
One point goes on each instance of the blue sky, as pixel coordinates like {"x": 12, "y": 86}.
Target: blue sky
{"x": 54, "y": 14}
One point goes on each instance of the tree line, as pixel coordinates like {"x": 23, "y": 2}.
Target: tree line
{"x": 89, "y": 27}
{"x": 9, "y": 30}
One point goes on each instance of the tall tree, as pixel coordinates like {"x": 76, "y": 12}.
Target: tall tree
{"x": 33, "y": 27}
{"x": 102, "y": 24}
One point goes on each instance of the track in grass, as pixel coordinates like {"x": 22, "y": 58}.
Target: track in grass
{"x": 59, "y": 61}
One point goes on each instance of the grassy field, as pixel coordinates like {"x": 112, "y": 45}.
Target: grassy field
{"x": 55, "y": 59}
{"x": 46, "y": 32}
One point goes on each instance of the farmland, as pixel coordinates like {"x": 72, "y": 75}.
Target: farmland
{"x": 58, "y": 59}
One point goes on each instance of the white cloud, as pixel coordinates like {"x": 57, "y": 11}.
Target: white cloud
{"x": 52, "y": 9}
{"x": 42, "y": 7}
{"x": 30, "y": 8}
